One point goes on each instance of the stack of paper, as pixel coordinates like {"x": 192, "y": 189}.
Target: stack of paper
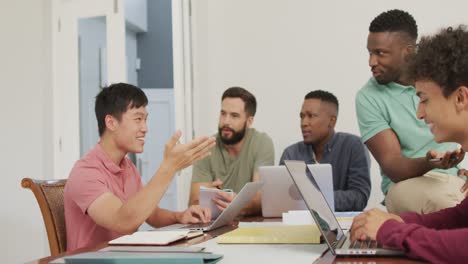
{"x": 304, "y": 234}
{"x": 301, "y": 217}
{"x": 266, "y": 253}
{"x": 155, "y": 237}
{"x": 345, "y": 219}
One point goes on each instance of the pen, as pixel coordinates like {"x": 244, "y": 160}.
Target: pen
{"x": 435, "y": 159}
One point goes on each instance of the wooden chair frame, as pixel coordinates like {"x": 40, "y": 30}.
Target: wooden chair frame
{"x": 56, "y": 244}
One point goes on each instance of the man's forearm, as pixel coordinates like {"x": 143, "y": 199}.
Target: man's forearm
{"x": 402, "y": 168}
{"x": 162, "y": 217}
{"x": 139, "y": 207}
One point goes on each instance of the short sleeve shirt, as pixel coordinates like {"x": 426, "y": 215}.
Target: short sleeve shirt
{"x": 393, "y": 106}
{"x": 92, "y": 176}
{"x": 256, "y": 151}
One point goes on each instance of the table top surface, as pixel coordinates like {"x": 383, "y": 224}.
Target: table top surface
{"x": 326, "y": 258}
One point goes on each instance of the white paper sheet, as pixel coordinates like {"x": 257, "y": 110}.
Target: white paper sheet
{"x": 270, "y": 253}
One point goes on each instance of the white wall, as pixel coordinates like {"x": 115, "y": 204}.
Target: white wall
{"x": 280, "y": 50}
{"x": 25, "y": 111}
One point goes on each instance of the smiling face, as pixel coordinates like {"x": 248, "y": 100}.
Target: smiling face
{"x": 387, "y": 53}
{"x": 445, "y": 116}
{"x": 129, "y": 132}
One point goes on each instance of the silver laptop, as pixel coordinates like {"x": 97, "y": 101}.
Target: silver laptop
{"x": 280, "y": 194}
{"x": 229, "y": 214}
{"x": 338, "y": 242}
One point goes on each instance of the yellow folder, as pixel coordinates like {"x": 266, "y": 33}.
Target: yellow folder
{"x": 282, "y": 234}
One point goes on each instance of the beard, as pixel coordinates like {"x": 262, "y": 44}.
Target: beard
{"x": 388, "y": 76}
{"x": 236, "y": 137}
{"x": 384, "y": 80}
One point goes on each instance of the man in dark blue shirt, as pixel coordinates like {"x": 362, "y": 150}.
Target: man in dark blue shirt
{"x": 345, "y": 152}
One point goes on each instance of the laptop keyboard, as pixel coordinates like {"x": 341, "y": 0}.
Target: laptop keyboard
{"x": 365, "y": 244}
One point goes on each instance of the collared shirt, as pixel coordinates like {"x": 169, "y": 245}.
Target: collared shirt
{"x": 350, "y": 163}
{"x": 92, "y": 176}
{"x": 257, "y": 150}
{"x": 393, "y": 106}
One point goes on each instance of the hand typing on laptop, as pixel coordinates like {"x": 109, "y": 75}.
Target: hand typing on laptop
{"x": 367, "y": 224}
{"x": 194, "y": 214}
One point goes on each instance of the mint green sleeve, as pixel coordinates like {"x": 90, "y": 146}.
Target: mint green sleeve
{"x": 371, "y": 116}
{"x": 201, "y": 171}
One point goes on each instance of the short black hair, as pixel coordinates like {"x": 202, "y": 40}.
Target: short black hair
{"x": 395, "y": 21}
{"x": 248, "y": 98}
{"x": 443, "y": 59}
{"x": 323, "y": 96}
{"x": 115, "y": 100}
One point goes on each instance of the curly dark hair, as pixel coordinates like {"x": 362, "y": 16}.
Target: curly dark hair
{"x": 323, "y": 96}
{"x": 443, "y": 59}
{"x": 395, "y": 21}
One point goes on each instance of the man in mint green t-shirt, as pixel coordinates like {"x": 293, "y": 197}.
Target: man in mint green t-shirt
{"x": 240, "y": 150}
{"x": 416, "y": 171}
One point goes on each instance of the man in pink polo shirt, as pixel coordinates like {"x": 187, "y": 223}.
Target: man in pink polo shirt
{"x": 104, "y": 195}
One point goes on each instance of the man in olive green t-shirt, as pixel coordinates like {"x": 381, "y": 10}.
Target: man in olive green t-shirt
{"x": 239, "y": 151}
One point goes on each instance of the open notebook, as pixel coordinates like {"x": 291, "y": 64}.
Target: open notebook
{"x": 159, "y": 238}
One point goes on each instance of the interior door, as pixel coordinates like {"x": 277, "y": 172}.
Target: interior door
{"x": 92, "y": 43}
{"x": 68, "y": 16}
{"x": 161, "y": 127}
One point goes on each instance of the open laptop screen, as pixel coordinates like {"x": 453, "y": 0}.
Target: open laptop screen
{"x": 315, "y": 201}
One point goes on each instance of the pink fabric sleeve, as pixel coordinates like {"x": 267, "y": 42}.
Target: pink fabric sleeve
{"x": 86, "y": 188}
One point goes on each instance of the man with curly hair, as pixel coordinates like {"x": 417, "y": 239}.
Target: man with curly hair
{"x": 440, "y": 71}
{"x": 418, "y": 174}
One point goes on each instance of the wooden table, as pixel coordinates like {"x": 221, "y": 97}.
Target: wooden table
{"x": 326, "y": 258}
{"x": 196, "y": 240}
